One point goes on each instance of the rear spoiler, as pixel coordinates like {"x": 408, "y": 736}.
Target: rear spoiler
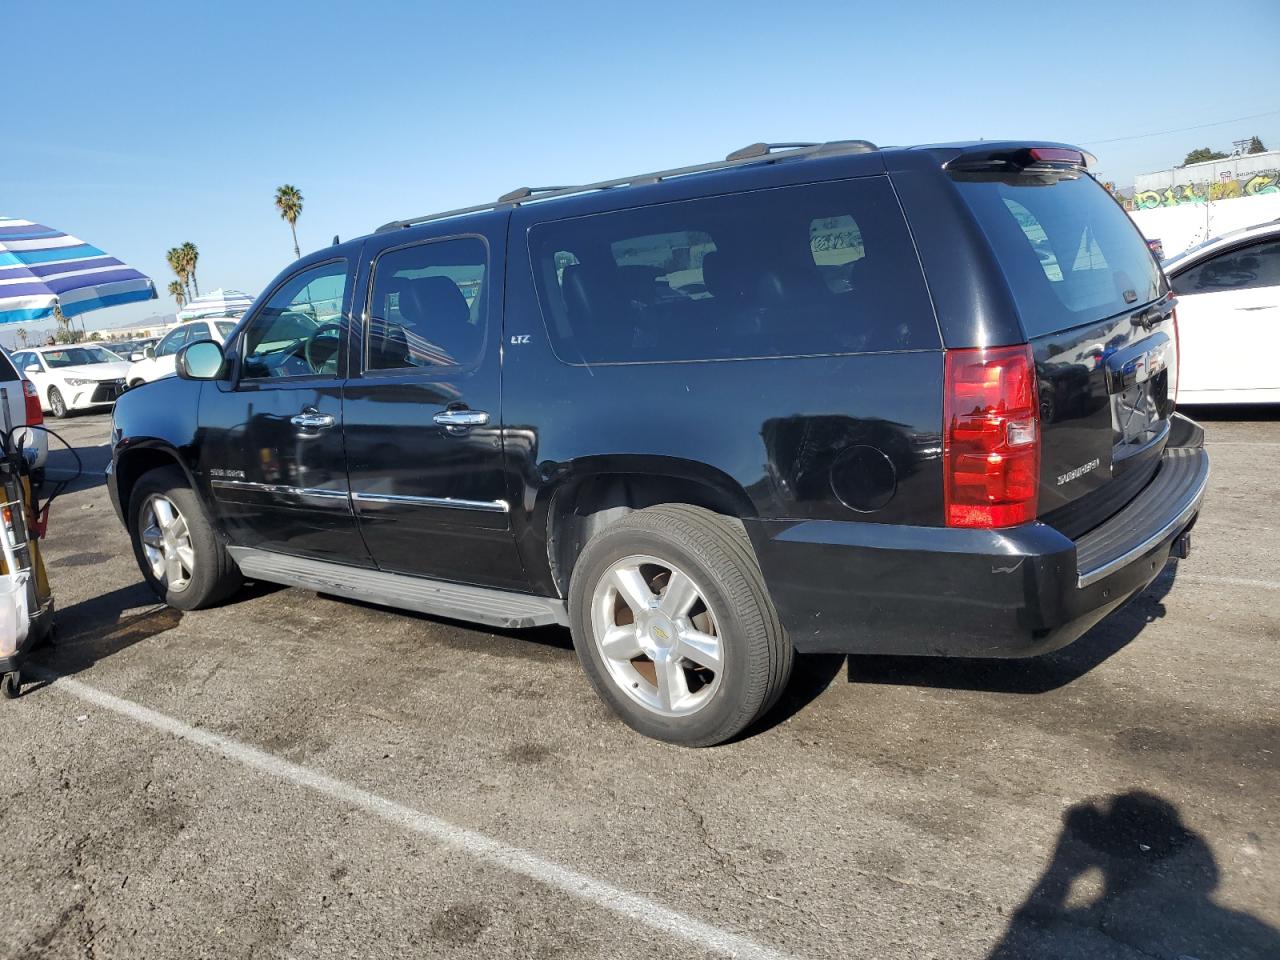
{"x": 1055, "y": 160}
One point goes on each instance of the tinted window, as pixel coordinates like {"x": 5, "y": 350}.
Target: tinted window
{"x": 815, "y": 269}
{"x": 298, "y": 331}
{"x": 225, "y": 327}
{"x": 426, "y": 308}
{"x": 172, "y": 341}
{"x": 1068, "y": 251}
{"x": 1245, "y": 268}
{"x": 9, "y": 368}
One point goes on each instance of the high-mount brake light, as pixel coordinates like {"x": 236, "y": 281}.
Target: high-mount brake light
{"x": 35, "y": 415}
{"x": 991, "y": 437}
{"x": 1057, "y": 155}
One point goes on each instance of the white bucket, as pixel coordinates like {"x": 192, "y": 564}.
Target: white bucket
{"x": 15, "y": 618}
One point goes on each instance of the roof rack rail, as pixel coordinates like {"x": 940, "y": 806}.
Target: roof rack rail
{"x": 754, "y": 153}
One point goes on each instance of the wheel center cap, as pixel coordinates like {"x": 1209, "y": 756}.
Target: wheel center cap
{"x": 662, "y": 632}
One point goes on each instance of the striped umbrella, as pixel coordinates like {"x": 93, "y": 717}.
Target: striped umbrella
{"x": 219, "y": 303}
{"x": 41, "y": 268}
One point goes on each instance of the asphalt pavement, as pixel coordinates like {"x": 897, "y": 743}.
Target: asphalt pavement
{"x": 292, "y": 775}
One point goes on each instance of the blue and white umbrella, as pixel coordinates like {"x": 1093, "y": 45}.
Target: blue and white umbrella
{"x": 219, "y": 303}
{"x": 41, "y": 268}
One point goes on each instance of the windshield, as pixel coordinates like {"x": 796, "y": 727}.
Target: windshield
{"x": 1070, "y": 254}
{"x": 78, "y": 356}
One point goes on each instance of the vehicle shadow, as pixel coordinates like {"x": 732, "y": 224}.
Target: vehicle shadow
{"x": 1034, "y": 674}
{"x": 1129, "y": 878}
{"x": 78, "y": 467}
{"x": 97, "y": 628}
{"x": 1234, "y": 411}
{"x": 811, "y": 675}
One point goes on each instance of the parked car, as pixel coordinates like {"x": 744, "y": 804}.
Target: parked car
{"x": 706, "y": 418}
{"x": 73, "y": 377}
{"x": 19, "y": 407}
{"x": 132, "y": 349}
{"x": 1229, "y": 294}
{"x": 157, "y": 360}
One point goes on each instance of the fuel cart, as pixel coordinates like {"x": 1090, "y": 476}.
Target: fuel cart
{"x": 26, "y": 603}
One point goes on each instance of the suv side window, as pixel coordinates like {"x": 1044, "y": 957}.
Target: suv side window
{"x": 426, "y": 306}
{"x": 298, "y": 332}
{"x": 197, "y": 333}
{"x": 823, "y": 268}
{"x": 1245, "y": 268}
{"x": 173, "y": 341}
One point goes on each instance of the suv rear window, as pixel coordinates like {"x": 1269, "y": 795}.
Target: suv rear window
{"x": 8, "y": 372}
{"x": 1071, "y": 255}
{"x": 824, "y": 268}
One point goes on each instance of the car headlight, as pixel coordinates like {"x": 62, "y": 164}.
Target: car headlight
{"x": 78, "y": 382}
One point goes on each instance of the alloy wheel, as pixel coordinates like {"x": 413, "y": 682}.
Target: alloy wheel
{"x": 56, "y": 403}
{"x": 166, "y": 542}
{"x": 657, "y": 636}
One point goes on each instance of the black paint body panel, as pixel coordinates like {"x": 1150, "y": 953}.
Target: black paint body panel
{"x": 834, "y": 463}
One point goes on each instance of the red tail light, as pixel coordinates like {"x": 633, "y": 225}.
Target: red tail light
{"x": 34, "y": 413}
{"x": 991, "y": 442}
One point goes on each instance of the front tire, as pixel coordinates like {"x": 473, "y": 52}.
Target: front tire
{"x": 674, "y": 626}
{"x": 180, "y": 555}
{"x": 57, "y": 405}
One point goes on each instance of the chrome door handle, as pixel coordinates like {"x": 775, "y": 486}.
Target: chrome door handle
{"x": 313, "y": 420}
{"x": 457, "y": 421}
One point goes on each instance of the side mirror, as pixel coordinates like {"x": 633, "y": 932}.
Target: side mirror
{"x": 149, "y": 352}
{"x": 136, "y": 355}
{"x": 200, "y": 361}
{"x": 32, "y": 368}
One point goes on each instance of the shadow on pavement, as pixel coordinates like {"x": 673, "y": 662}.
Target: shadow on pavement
{"x": 810, "y": 677}
{"x": 1236, "y": 412}
{"x": 61, "y": 466}
{"x": 97, "y": 628}
{"x": 1034, "y": 674}
{"x": 1129, "y": 878}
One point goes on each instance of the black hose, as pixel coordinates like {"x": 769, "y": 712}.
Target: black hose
{"x": 15, "y": 455}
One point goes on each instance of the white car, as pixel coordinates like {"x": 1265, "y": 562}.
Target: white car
{"x": 21, "y": 406}
{"x": 159, "y": 359}
{"x": 73, "y": 376}
{"x": 1228, "y": 291}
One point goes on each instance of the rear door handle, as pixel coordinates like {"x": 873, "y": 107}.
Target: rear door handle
{"x": 312, "y": 419}
{"x": 458, "y": 422}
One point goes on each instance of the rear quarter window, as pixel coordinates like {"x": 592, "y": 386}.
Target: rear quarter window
{"x": 1070, "y": 254}
{"x": 792, "y": 271}
{"x": 8, "y": 372}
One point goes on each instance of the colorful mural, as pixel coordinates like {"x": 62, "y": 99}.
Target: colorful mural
{"x": 1265, "y": 182}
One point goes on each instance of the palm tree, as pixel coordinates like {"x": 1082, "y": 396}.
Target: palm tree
{"x": 178, "y": 264}
{"x": 289, "y": 203}
{"x": 21, "y": 334}
{"x": 189, "y": 257}
{"x": 176, "y": 291}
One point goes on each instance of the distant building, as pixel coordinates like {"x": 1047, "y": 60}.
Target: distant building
{"x": 1245, "y": 175}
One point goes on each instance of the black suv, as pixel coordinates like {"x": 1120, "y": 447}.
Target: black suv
{"x": 816, "y": 397}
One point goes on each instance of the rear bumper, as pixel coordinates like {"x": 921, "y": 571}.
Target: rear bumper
{"x": 934, "y": 591}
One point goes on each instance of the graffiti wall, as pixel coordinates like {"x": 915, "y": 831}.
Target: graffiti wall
{"x": 1256, "y": 184}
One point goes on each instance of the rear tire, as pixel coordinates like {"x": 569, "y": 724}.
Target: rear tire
{"x": 674, "y": 627}
{"x": 57, "y": 406}
{"x": 180, "y": 555}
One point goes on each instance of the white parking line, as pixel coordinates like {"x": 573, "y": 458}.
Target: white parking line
{"x": 1230, "y": 581}
{"x": 495, "y": 852}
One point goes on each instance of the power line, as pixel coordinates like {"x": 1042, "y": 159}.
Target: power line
{"x": 1161, "y": 133}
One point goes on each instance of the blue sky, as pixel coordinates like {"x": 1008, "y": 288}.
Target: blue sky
{"x": 141, "y": 126}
